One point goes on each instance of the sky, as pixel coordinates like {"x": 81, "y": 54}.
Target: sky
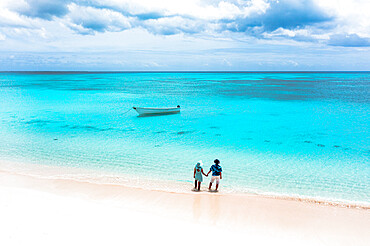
{"x": 185, "y": 35}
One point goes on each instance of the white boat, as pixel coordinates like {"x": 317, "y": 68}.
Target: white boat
{"x": 157, "y": 111}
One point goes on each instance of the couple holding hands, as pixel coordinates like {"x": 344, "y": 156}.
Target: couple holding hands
{"x": 216, "y": 170}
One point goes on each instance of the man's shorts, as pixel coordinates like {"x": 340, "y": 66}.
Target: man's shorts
{"x": 217, "y": 178}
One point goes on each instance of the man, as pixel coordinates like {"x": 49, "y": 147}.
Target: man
{"x": 216, "y": 170}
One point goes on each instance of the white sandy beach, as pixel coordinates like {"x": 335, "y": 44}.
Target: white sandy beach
{"x": 51, "y": 211}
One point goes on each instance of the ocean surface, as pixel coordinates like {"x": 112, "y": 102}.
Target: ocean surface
{"x": 289, "y": 134}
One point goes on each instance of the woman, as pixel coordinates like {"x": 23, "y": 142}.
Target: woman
{"x": 198, "y": 171}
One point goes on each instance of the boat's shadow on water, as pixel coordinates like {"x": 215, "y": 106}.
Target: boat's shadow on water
{"x": 154, "y": 115}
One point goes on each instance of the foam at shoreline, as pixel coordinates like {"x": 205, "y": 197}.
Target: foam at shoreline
{"x": 104, "y": 177}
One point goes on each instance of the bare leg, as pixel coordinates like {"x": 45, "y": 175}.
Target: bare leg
{"x": 210, "y": 186}
{"x": 216, "y": 186}
{"x": 195, "y": 184}
{"x": 199, "y": 186}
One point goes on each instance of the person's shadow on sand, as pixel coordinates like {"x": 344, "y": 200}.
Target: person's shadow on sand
{"x": 210, "y": 191}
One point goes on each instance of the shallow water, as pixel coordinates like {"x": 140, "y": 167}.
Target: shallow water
{"x": 296, "y": 134}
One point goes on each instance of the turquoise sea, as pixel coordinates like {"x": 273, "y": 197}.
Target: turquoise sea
{"x": 291, "y": 134}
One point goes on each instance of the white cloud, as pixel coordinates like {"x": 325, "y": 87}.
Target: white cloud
{"x": 88, "y": 19}
{"x": 13, "y": 19}
{"x": 172, "y": 25}
{"x": 351, "y": 16}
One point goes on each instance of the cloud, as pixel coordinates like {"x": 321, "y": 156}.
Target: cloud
{"x": 43, "y": 9}
{"x": 253, "y": 17}
{"x": 150, "y": 16}
{"x": 172, "y": 25}
{"x": 291, "y": 14}
{"x": 308, "y": 21}
{"x": 284, "y": 14}
{"x": 348, "y": 40}
{"x": 88, "y": 20}
{"x": 10, "y": 19}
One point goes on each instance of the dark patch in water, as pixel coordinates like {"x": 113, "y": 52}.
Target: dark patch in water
{"x": 217, "y": 135}
{"x": 55, "y": 139}
{"x": 267, "y": 141}
{"x": 336, "y": 146}
{"x": 203, "y": 133}
{"x": 320, "y": 145}
{"x": 307, "y": 141}
{"x": 85, "y": 89}
{"x": 184, "y": 132}
{"x": 38, "y": 122}
{"x": 157, "y": 145}
{"x": 85, "y": 127}
{"x": 247, "y": 138}
{"x": 89, "y": 128}
{"x": 159, "y": 132}
{"x": 214, "y": 127}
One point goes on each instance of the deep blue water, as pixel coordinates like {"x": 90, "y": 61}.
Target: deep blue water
{"x": 299, "y": 134}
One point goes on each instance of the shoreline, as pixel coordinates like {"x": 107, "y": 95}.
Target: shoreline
{"x": 252, "y": 218}
{"x": 126, "y": 181}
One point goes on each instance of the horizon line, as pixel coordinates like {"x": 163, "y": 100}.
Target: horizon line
{"x": 181, "y": 71}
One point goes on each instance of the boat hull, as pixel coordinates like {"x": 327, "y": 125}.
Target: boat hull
{"x": 156, "y": 111}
